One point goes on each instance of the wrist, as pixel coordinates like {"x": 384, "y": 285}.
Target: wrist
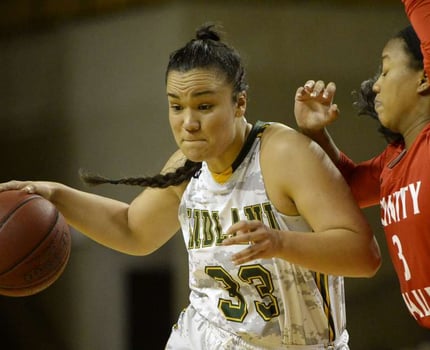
{"x": 52, "y": 191}
{"x": 315, "y": 134}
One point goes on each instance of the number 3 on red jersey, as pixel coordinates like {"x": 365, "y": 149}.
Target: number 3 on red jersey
{"x": 398, "y": 244}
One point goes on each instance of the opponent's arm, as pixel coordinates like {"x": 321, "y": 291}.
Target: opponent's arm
{"x": 418, "y": 12}
{"x": 314, "y": 110}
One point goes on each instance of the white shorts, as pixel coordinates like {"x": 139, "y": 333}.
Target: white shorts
{"x": 194, "y": 332}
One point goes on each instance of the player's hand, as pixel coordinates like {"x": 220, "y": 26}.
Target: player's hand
{"x": 264, "y": 242}
{"x": 313, "y": 107}
{"x": 43, "y": 189}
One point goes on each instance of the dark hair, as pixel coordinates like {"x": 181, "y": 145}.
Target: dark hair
{"x": 365, "y": 105}
{"x": 365, "y": 97}
{"x": 181, "y": 174}
{"x": 205, "y": 51}
{"x": 413, "y": 47}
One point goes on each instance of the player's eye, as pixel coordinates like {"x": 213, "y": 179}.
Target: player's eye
{"x": 384, "y": 71}
{"x": 175, "y": 107}
{"x": 205, "y": 107}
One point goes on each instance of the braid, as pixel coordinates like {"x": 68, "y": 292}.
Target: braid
{"x": 205, "y": 51}
{"x": 180, "y": 175}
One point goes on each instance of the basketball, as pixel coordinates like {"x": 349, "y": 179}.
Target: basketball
{"x": 35, "y": 243}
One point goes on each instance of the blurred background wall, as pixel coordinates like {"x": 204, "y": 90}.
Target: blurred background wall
{"x": 82, "y": 86}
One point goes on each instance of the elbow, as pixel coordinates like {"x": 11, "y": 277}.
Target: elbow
{"x": 141, "y": 249}
{"x": 136, "y": 244}
{"x": 366, "y": 268}
{"x": 373, "y": 266}
{"x": 134, "y": 250}
{"x": 373, "y": 261}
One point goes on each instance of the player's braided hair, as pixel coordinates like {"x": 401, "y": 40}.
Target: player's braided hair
{"x": 365, "y": 97}
{"x": 181, "y": 174}
{"x": 204, "y": 51}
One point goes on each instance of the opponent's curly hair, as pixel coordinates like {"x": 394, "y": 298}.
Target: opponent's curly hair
{"x": 365, "y": 105}
{"x": 365, "y": 97}
{"x": 204, "y": 51}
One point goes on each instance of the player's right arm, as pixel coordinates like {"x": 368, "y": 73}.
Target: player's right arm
{"x": 314, "y": 111}
{"x": 138, "y": 228}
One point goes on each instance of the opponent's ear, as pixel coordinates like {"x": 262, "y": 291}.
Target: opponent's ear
{"x": 424, "y": 85}
{"x": 241, "y": 104}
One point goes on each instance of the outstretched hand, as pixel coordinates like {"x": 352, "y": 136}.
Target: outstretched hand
{"x": 43, "y": 189}
{"x": 314, "y": 108}
{"x": 263, "y": 241}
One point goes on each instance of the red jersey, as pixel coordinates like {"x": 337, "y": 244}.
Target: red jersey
{"x": 418, "y": 12}
{"x": 399, "y": 180}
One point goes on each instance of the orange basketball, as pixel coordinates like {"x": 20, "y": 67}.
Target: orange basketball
{"x": 35, "y": 243}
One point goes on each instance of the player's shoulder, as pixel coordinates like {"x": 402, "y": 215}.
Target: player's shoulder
{"x": 176, "y": 160}
{"x": 277, "y": 129}
{"x": 282, "y": 138}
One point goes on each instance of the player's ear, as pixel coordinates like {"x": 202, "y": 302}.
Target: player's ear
{"x": 241, "y": 99}
{"x": 424, "y": 85}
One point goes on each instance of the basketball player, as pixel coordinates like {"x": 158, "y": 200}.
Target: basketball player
{"x": 399, "y": 178}
{"x": 269, "y": 223}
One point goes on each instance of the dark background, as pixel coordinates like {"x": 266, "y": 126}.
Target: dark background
{"x": 82, "y": 86}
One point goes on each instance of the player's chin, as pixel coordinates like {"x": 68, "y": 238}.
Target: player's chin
{"x": 193, "y": 152}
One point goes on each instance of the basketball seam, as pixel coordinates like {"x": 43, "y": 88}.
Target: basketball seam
{"x": 36, "y": 247}
{"x": 10, "y": 214}
{"x": 34, "y": 289}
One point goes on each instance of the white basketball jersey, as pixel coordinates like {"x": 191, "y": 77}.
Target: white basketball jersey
{"x": 270, "y": 302}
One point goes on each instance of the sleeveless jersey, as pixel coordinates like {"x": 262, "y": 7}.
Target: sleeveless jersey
{"x": 267, "y": 302}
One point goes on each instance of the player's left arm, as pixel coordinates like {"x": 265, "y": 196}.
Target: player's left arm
{"x": 302, "y": 180}
{"x": 418, "y": 12}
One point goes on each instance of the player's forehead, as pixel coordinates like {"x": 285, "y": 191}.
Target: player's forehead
{"x": 395, "y": 52}
{"x": 196, "y": 82}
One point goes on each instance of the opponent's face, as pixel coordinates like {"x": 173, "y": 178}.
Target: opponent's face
{"x": 203, "y": 116}
{"x": 396, "y": 87}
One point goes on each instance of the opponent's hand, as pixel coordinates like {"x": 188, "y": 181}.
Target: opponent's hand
{"x": 263, "y": 241}
{"x": 313, "y": 107}
{"x": 43, "y": 189}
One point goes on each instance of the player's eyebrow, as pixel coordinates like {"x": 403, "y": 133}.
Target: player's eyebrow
{"x": 195, "y": 94}
{"x": 385, "y": 56}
